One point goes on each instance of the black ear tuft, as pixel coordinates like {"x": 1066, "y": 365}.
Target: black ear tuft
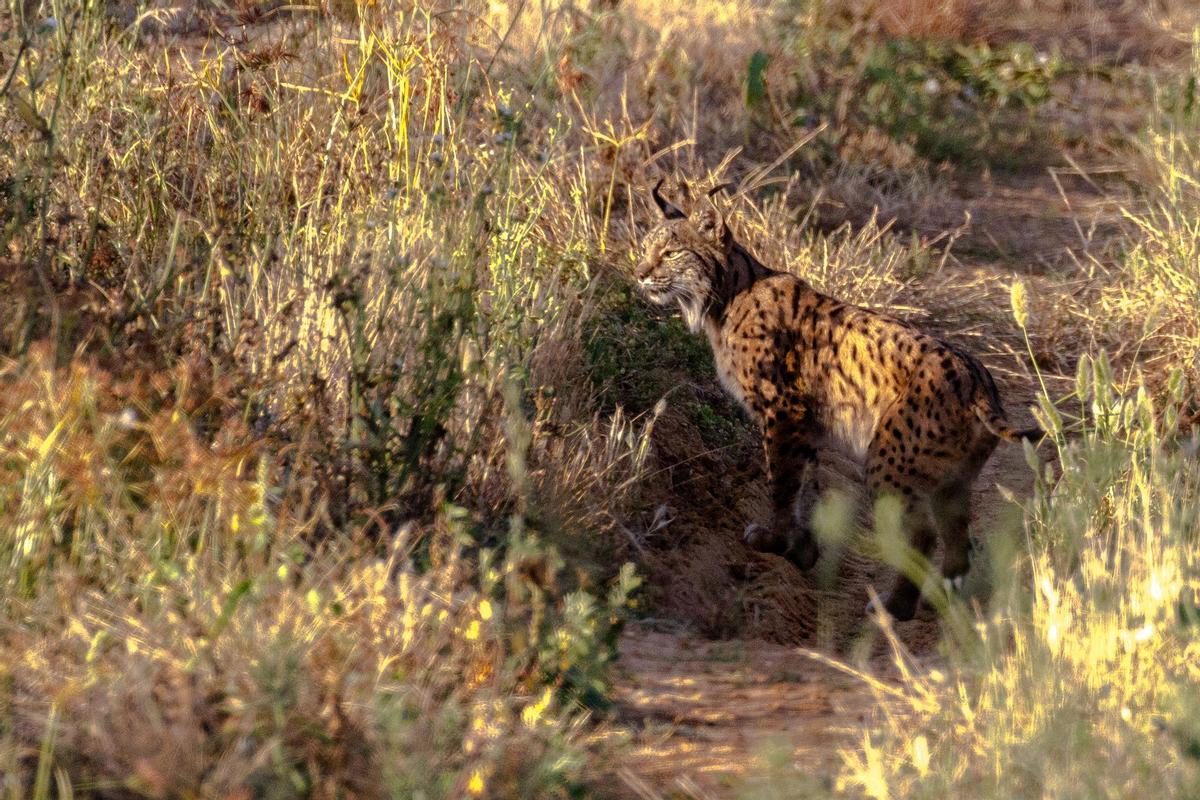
{"x": 668, "y": 210}
{"x": 720, "y": 187}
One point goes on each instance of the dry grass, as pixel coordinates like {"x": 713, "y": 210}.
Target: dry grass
{"x": 1151, "y": 301}
{"x": 171, "y": 628}
{"x": 325, "y": 309}
{"x": 315, "y": 482}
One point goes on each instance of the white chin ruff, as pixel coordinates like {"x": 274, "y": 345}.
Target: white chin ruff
{"x": 693, "y": 313}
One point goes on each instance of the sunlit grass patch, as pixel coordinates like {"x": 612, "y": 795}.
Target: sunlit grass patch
{"x": 1078, "y": 680}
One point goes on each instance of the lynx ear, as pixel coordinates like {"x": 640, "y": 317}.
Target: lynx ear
{"x": 668, "y": 210}
{"x": 710, "y": 222}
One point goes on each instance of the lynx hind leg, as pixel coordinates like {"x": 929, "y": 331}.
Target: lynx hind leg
{"x": 902, "y": 601}
{"x": 950, "y": 508}
{"x": 894, "y": 469}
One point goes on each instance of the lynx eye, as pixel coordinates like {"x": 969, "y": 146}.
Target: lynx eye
{"x": 672, "y": 254}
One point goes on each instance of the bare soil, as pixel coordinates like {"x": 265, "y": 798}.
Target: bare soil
{"x": 708, "y": 713}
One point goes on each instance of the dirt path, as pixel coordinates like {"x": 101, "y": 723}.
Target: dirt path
{"x": 710, "y": 715}
{"x": 718, "y": 688}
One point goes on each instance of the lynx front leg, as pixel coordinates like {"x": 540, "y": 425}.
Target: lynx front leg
{"x": 792, "y": 471}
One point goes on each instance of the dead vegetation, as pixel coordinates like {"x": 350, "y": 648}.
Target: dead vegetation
{"x": 329, "y": 415}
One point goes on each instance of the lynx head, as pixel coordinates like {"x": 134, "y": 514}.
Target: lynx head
{"x": 682, "y": 256}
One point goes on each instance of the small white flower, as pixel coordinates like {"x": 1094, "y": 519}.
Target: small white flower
{"x": 932, "y": 86}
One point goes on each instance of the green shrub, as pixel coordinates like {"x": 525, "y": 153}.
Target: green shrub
{"x": 951, "y": 101}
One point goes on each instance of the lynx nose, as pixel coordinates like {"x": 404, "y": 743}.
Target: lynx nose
{"x": 643, "y": 271}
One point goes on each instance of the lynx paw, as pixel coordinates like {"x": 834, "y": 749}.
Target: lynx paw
{"x": 762, "y": 539}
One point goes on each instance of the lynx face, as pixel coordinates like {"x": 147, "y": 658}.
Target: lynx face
{"x": 682, "y": 259}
